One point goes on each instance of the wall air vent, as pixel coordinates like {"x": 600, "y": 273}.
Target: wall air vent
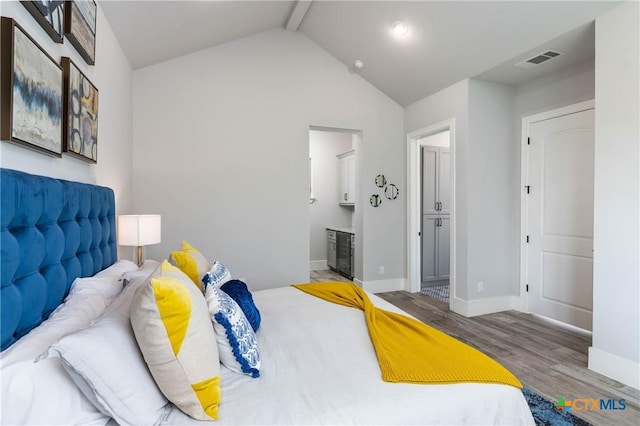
{"x": 538, "y": 59}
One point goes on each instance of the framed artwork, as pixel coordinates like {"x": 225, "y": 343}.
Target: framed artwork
{"x": 80, "y": 111}
{"x": 50, "y": 15}
{"x": 80, "y": 27}
{"x": 31, "y": 100}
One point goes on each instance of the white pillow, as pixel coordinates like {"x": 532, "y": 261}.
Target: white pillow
{"x": 117, "y": 269}
{"x": 143, "y": 273}
{"x": 105, "y": 362}
{"x": 86, "y": 301}
{"x": 80, "y": 308}
{"x": 237, "y": 342}
{"x": 43, "y": 393}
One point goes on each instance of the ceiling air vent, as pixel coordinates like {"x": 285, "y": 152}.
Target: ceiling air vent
{"x": 538, "y": 59}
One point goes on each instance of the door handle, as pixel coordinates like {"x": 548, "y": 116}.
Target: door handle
{"x": 345, "y": 196}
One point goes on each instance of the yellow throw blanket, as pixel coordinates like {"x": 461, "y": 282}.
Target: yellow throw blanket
{"x": 410, "y": 351}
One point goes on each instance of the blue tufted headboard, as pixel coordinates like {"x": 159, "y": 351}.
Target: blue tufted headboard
{"x": 52, "y": 231}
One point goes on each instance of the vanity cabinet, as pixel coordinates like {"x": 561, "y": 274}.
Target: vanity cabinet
{"x": 347, "y": 178}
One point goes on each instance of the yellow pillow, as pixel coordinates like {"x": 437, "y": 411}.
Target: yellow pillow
{"x": 170, "y": 319}
{"x": 191, "y": 262}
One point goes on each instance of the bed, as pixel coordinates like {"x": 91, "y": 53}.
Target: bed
{"x": 318, "y": 365}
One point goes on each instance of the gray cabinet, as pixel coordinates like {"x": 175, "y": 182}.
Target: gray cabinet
{"x": 436, "y": 181}
{"x": 341, "y": 250}
{"x": 331, "y": 249}
{"x": 435, "y": 215}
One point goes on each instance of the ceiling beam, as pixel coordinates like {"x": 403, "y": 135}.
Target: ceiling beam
{"x": 297, "y": 14}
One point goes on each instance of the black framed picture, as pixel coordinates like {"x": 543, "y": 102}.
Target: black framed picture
{"x": 50, "y": 15}
{"x": 80, "y": 111}
{"x": 80, "y": 27}
{"x": 31, "y": 100}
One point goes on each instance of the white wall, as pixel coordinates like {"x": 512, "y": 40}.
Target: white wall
{"x": 493, "y": 230}
{"x": 616, "y": 270}
{"x": 221, "y": 151}
{"x": 112, "y": 75}
{"x": 325, "y": 211}
{"x": 451, "y": 102}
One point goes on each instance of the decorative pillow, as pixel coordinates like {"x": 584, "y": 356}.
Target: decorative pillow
{"x": 237, "y": 342}
{"x": 171, "y": 323}
{"x": 191, "y": 262}
{"x": 217, "y": 275}
{"x": 240, "y": 293}
{"x": 106, "y": 364}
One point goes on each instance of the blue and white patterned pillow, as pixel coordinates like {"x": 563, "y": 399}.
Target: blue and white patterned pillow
{"x": 237, "y": 342}
{"x": 217, "y": 275}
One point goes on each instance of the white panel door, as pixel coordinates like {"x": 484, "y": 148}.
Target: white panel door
{"x": 560, "y": 218}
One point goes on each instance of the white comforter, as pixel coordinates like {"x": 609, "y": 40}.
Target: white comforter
{"x": 319, "y": 367}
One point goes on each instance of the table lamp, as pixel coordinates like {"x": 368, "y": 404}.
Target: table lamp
{"x": 139, "y": 230}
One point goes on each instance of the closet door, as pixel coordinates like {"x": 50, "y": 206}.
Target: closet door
{"x": 429, "y": 180}
{"x": 443, "y": 247}
{"x": 444, "y": 181}
{"x": 429, "y": 248}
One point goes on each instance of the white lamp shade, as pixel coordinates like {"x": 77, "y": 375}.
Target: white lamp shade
{"x": 139, "y": 229}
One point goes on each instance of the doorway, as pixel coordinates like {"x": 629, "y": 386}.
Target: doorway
{"x": 436, "y": 209}
{"x": 431, "y": 243}
{"x": 557, "y": 255}
{"x": 335, "y": 223}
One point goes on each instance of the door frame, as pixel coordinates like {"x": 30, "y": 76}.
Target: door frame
{"x": 414, "y": 213}
{"x": 527, "y": 121}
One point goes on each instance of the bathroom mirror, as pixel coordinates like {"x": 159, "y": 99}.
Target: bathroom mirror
{"x": 375, "y": 200}
{"x": 381, "y": 181}
{"x": 391, "y": 191}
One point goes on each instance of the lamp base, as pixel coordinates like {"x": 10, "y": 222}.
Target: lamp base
{"x": 139, "y": 256}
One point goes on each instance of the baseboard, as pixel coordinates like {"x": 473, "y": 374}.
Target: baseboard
{"x": 381, "y": 286}
{"x": 614, "y": 367}
{"x": 318, "y": 265}
{"x": 489, "y": 305}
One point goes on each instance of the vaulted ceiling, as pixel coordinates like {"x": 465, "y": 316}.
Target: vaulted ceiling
{"x": 447, "y": 40}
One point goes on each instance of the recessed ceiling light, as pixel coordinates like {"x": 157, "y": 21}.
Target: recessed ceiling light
{"x": 400, "y": 28}
{"x": 358, "y": 64}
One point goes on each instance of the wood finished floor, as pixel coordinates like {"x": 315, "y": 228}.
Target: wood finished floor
{"x": 547, "y": 359}
{"x": 326, "y": 275}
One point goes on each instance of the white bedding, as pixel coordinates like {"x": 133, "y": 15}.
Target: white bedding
{"x": 311, "y": 347}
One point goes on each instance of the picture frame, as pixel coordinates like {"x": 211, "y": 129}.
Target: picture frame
{"x": 50, "y": 16}
{"x": 31, "y": 92}
{"x": 80, "y": 27}
{"x": 80, "y": 113}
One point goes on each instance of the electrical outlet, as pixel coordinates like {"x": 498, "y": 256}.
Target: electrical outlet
{"x": 382, "y": 270}
{"x": 480, "y": 286}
